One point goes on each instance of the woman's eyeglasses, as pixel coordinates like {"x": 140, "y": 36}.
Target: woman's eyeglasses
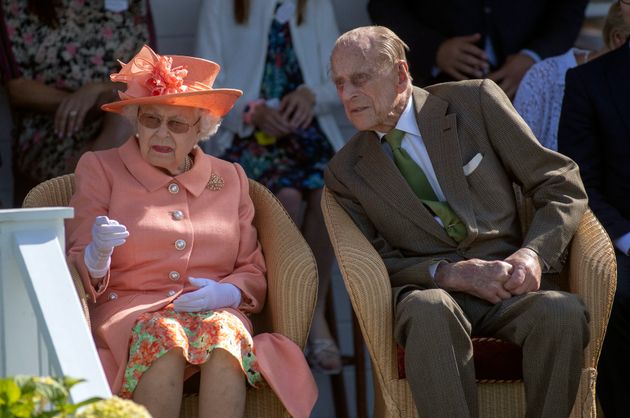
{"x": 154, "y": 122}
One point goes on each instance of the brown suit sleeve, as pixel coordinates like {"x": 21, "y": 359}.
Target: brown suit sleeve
{"x": 403, "y": 269}
{"x": 550, "y": 179}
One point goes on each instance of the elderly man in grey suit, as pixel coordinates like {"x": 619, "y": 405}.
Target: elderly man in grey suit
{"x": 429, "y": 181}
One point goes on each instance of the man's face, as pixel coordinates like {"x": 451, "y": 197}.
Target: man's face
{"x": 369, "y": 94}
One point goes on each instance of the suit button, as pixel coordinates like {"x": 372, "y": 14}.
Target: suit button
{"x": 171, "y": 292}
{"x": 180, "y": 244}
{"x": 177, "y": 215}
{"x": 174, "y": 276}
{"x": 173, "y": 188}
{"x": 113, "y": 296}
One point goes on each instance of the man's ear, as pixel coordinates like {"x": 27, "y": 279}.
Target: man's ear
{"x": 404, "y": 78}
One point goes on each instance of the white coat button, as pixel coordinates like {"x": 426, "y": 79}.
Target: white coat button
{"x": 174, "y": 276}
{"x": 113, "y": 296}
{"x": 180, "y": 244}
{"x": 173, "y": 188}
{"x": 177, "y": 215}
{"x": 171, "y": 292}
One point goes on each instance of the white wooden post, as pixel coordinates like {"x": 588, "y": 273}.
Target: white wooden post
{"x": 42, "y": 328}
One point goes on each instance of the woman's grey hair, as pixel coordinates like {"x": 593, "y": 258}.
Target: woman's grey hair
{"x": 208, "y": 122}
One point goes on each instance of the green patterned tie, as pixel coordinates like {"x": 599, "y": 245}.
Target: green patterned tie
{"x": 420, "y": 185}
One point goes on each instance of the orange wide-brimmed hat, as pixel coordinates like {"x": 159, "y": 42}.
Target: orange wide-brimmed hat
{"x": 174, "y": 80}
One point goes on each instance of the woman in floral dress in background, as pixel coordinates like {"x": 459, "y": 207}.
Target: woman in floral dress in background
{"x": 282, "y": 131}
{"x": 56, "y": 58}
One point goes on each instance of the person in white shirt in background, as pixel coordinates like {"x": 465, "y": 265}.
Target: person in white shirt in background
{"x": 539, "y": 97}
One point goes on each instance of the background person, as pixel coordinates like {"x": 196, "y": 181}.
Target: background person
{"x": 282, "y": 131}
{"x": 595, "y": 131}
{"x": 463, "y": 39}
{"x": 539, "y": 96}
{"x": 56, "y": 65}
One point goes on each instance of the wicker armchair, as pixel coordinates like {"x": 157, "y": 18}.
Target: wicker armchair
{"x": 291, "y": 276}
{"x": 590, "y": 273}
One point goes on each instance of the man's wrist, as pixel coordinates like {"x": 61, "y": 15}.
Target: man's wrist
{"x": 534, "y": 254}
{"x": 442, "y": 276}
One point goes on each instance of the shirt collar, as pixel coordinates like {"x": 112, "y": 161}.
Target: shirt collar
{"x": 152, "y": 178}
{"x": 407, "y": 121}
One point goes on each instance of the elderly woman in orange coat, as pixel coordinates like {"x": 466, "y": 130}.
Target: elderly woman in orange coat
{"x": 164, "y": 241}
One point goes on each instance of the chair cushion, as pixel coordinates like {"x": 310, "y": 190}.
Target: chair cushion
{"x": 495, "y": 360}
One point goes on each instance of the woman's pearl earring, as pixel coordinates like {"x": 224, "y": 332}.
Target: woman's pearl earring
{"x": 137, "y": 135}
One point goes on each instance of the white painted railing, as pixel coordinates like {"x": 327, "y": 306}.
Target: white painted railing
{"x": 42, "y": 328}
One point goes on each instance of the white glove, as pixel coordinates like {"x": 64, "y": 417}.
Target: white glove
{"x": 106, "y": 234}
{"x": 211, "y": 295}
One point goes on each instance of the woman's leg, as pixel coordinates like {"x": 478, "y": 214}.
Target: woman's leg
{"x": 222, "y": 387}
{"x": 291, "y": 199}
{"x": 316, "y": 236}
{"x": 160, "y": 388}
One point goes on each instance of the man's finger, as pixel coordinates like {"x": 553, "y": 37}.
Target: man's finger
{"x": 503, "y": 294}
{"x": 474, "y": 51}
{"x": 471, "y": 38}
{"x": 469, "y": 70}
{"x": 476, "y": 63}
{"x": 497, "y": 75}
{"x": 456, "y": 74}
{"x": 516, "y": 280}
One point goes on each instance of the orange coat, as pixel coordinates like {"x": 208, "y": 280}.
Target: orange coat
{"x": 148, "y": 272}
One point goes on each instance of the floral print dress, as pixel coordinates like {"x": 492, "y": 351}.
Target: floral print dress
{"x": 83, "y": 48}
{"x": 298, "y": 159}
{"x": 196, "y": 333}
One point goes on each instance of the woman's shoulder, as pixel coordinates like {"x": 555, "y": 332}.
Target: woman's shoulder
{"x": 225, "y": 168}
{"x": 106, "y": 157}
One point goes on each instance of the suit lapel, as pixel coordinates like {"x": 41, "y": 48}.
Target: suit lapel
{"x": 617, "y": 77}
{"x": 439, "y": 133}
{"x": 381, "y": 174}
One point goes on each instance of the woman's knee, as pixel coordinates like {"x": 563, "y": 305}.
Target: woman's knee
{"x": 221, "y": 361}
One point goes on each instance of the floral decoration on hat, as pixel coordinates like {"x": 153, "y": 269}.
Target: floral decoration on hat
{"x": 167, "y": 80}
{"x": 175, "y": 80}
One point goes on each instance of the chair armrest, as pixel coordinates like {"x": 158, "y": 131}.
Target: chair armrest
{"x": 83, "y": 298}
{"x": 54, "y": 192}
{"x": 368, "y": 285}
{"x": 291, "y": 269}
{"x": 593, "y": 276}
